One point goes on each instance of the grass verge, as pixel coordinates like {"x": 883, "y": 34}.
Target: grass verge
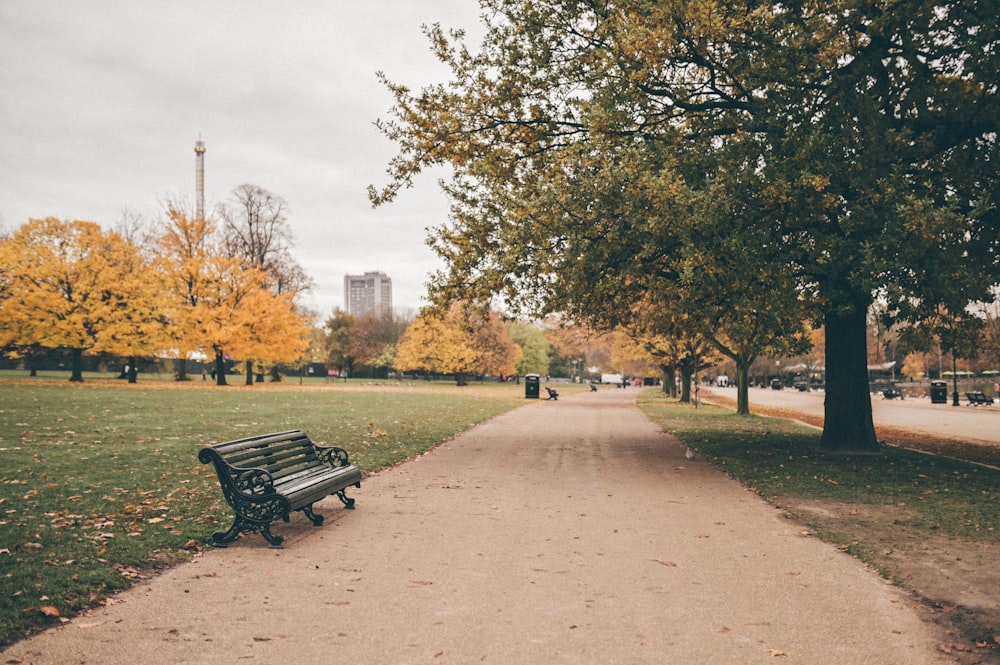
{"x": 100, "y": 482}
{"x": 926, "y": 522}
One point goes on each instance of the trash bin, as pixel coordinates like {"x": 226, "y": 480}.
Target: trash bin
{"x": 939, "y": 392}
{"x": 776, "y": 384}
{"x": 531, "y": 386}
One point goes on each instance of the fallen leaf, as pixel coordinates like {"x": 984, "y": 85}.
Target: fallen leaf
{"x": 86, "y": 626}
{"x": 777, "y": 652}
{"x": 49, "y": 610}
{"x": 666, "y": 563}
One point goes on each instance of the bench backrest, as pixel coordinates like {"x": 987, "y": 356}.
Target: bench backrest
{"x": 280, "y": 454}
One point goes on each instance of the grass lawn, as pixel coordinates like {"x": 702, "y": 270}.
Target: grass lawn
{"x": 100, "y": 482}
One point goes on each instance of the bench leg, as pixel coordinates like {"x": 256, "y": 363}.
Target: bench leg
{"x": 348, "y": 501}
{"x": 315, "y": 518}
{"x": 223, "y": 538}
{"x": 272, "y": 540}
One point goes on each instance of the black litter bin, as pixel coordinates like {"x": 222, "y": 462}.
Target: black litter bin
{"x": 532, "y": 385}
{"x": 939, "y": 392}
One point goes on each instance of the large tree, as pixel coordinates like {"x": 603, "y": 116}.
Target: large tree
{"x": 72, "y": 285}
{"x": 535, "y": 348}
{"x": 220, "y": 305}
{"x": 373, "y": 339}
{"x": 255, "y": 228}
{"x": 460, "y": 340}
{"x": 584, "y": 137}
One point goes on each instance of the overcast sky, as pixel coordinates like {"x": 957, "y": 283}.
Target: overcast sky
{"x": 101, "y": 103}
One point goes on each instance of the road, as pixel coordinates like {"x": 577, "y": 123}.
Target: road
{"x": 979, "y": 425}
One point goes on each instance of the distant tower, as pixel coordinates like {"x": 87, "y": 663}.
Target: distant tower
{"x": 199, "y": 177}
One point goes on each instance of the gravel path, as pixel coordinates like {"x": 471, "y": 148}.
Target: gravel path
{"x": 562, "y": 532}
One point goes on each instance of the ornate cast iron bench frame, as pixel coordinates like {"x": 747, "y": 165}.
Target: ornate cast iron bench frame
{"x": 553, "y": 394}
{"x": 267, "y": 477}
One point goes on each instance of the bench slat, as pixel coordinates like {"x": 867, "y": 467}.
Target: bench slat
{"x": 227, "y": 447}
{"x": 276, "y": 460}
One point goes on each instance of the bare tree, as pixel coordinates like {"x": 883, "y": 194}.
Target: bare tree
{"x": 255, "y": 228}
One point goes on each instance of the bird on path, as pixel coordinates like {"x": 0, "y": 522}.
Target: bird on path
{"x": 689, "y": 453}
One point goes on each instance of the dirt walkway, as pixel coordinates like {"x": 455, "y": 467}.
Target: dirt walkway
{"x": 563, "y": 532}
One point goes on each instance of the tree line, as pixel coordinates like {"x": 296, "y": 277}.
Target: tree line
{"x": 225, "y": 289}
{"x": 193, "y": 287}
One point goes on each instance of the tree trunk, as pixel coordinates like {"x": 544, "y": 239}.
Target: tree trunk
{"x": 687, "y": 371}
{"x": 220, "y": 368}
{"x": 76, "y": 365}
{"x": 133, "y": 370}
{"x": 848, "y": 424}
{"x": 249, "y": 371}
{"x": 743, "y": 385}
{"x": 669, "y": 380}
{"x": 181, "y": 364}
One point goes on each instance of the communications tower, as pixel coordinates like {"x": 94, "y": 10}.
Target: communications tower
{"x": 199, "y": 178}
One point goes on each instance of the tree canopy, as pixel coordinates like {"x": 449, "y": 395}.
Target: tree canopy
{"x": 774, "y": 163}
{"x": 221, "y": 304}
{"x": 72, "y": 285}
{"x": 460, "y": 341}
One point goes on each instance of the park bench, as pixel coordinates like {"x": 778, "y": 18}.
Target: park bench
{"x": 976, "y": 398}
{"x": 267, "y": 477}
{"x": 892, "y": 393}
{"x": 553, "y": 395}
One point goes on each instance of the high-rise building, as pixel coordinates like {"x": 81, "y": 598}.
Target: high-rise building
{"x": 370, "y": 293}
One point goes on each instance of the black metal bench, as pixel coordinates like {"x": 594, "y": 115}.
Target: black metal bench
{"x": 266, "y": 477}
{"x": 553, "y": 395}
{"x": 976, "y": 398}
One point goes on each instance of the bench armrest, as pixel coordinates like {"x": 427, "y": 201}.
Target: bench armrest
{"x": 332, "y": 455}
{"x": 245, "y": 480}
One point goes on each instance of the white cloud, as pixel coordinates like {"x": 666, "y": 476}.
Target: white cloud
{"x": 103, "y": 102}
